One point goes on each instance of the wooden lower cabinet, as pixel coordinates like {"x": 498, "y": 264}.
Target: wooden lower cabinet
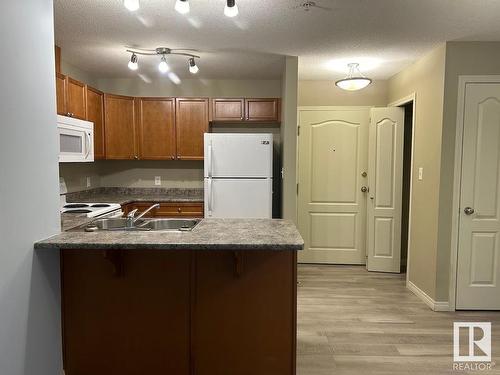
{"x": 126, "y": 312}
{"x": 167, "y": 209}
{"x": 244, "y": 315}
{"x": 135, "y": 312}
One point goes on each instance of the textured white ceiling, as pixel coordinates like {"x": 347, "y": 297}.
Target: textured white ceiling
{"x": 384, "y": 36}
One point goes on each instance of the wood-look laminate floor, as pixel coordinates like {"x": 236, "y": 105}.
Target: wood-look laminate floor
{"x": 355, "y": 322}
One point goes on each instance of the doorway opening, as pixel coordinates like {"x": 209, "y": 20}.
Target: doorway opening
{"x": 406, "y": 192}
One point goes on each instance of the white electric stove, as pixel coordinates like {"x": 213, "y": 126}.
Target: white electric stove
{"x": 91, "y": 209}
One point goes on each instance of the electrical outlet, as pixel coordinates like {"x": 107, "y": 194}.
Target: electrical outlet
{"x": 89, "y": 183}
{"x": 420, "y": 173}
{"x": 157, "y": 180}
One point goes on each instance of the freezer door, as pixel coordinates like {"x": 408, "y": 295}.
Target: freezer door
{"x": 238, "y": 155}
{"x": 238, "y": 198}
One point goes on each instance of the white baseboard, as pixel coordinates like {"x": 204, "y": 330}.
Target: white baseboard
{"x": 434, "y": 305}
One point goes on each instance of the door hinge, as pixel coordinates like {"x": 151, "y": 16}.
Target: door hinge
{"x": 298, "y": 131}
{"x": 297, "y": 188}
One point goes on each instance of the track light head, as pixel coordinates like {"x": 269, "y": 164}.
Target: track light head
{"x": 163, "y": 66}
{"x": 132, "y": 64}
{"x": 182, "y": 6}
{"x": 131, "y": 5}
{"x": 193, "y": 68}
{"x": 231, "y": 9}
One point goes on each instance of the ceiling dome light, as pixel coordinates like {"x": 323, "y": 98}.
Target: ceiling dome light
{"x": 132, "y": 64}
{"x": 231, "y": 9}
{"x": 163, "y": 66}
{"x": 354, "y": 80}
{"x": 182, "y": 6}
{"x": 193, "y": 68}
{"x": 131, "y": 5}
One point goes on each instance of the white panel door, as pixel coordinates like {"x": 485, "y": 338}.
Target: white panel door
{"x": 238, "y": 155}
{"x": 478, "y": 272}
{"x": 385, "y": 173}
{"x": 332, "y": 208}
{"x": 238, "y": 198}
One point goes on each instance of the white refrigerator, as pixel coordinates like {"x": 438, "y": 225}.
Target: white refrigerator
{"x": 238, "y": 175}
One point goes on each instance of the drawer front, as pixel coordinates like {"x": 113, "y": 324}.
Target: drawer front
{"x": 168, "y": 209}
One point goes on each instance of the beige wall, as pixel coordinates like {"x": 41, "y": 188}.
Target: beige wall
{"x": 426, "y": 79}
{"x": 318, "y": 93}
{"x": 77, "y": 73}
{"x": 289, "y": 137}
{"x": 462, "y": 58}
{"x": 192, "y": 87}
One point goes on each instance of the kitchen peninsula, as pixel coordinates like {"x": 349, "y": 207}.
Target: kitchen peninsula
{"x": 220, "y": 299}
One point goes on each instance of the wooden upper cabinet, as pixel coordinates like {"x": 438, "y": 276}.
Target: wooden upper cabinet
{"x": 191, "y": 115}
{"x": 76, "y": 98}
{"x": 120, "y": 127}
{"x": 95, "y": 114}
{"x": 262, "y": 109}
{"x": 231, "y": 110}
{"x": 156, "y": 128}
{"x": 61, "y": 94}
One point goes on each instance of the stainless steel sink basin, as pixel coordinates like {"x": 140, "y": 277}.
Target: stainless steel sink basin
{"x": 183, "y": 225}
{"x": 118, "y": 224}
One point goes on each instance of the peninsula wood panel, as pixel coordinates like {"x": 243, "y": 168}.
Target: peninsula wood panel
{"x": 134, "y": 322}
{"x": 245, "y": 313}
{"x": 61, "y": 94}
{"x": 191, "y": 122}
{"x": 228, "y": 110}
{"x": 156, "y": 128}
{"x": 120, "y": 127}
{"x": 95, "y": 114}
{"x": 76, "y": 98}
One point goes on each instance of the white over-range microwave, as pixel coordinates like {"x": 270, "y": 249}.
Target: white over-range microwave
{"x": 76, "y": 140}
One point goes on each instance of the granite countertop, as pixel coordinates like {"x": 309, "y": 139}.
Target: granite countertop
{"x": 124, "y": 196}
{"x": 209, "y": 234}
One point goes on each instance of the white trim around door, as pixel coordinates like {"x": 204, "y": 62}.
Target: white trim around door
{"x": 408, "y": 99}
{"x": 462, "y": 82}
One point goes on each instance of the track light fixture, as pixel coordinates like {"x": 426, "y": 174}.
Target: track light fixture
{"x": 193, "y": 68}
{"x": 132, "y": 64}
{"x": 231, "y": 9}
{"x": 131, "y": 5}
{"x": 182, "y": 6}
{"x": 163, "y": 52}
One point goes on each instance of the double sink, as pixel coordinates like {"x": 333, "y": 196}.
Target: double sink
{"x": 157, "y": 224}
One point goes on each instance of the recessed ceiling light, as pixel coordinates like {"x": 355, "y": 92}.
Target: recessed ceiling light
{"x": 231, "y": 9}
{"x": 131, "y": 5}
{"x": 354, "y": 80}
{"x": 182, "y": 6}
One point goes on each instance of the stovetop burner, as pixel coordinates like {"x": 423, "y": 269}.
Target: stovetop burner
{"x": 80, "y": 211}
{"x": 75, "y": 205}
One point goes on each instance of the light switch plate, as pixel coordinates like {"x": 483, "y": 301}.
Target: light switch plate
{"x": 157, "y": 180}
{"x": 420, "y": 173}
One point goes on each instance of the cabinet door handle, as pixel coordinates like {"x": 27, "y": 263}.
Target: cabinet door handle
{"x": 136, "y": 157}
{"x": 179, "y": 210}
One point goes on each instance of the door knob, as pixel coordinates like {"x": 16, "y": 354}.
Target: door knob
{"x": 364, "y": 189}
{"x": 468, "y": 210}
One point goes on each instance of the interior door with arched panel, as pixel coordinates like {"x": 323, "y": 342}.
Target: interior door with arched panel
{"x": 333, "y": 148}
{"x": 385, "y": 171}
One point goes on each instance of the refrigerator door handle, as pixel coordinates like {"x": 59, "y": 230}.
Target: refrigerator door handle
{"x": 210, "y": 197}
{"x": 210, "y": 159}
